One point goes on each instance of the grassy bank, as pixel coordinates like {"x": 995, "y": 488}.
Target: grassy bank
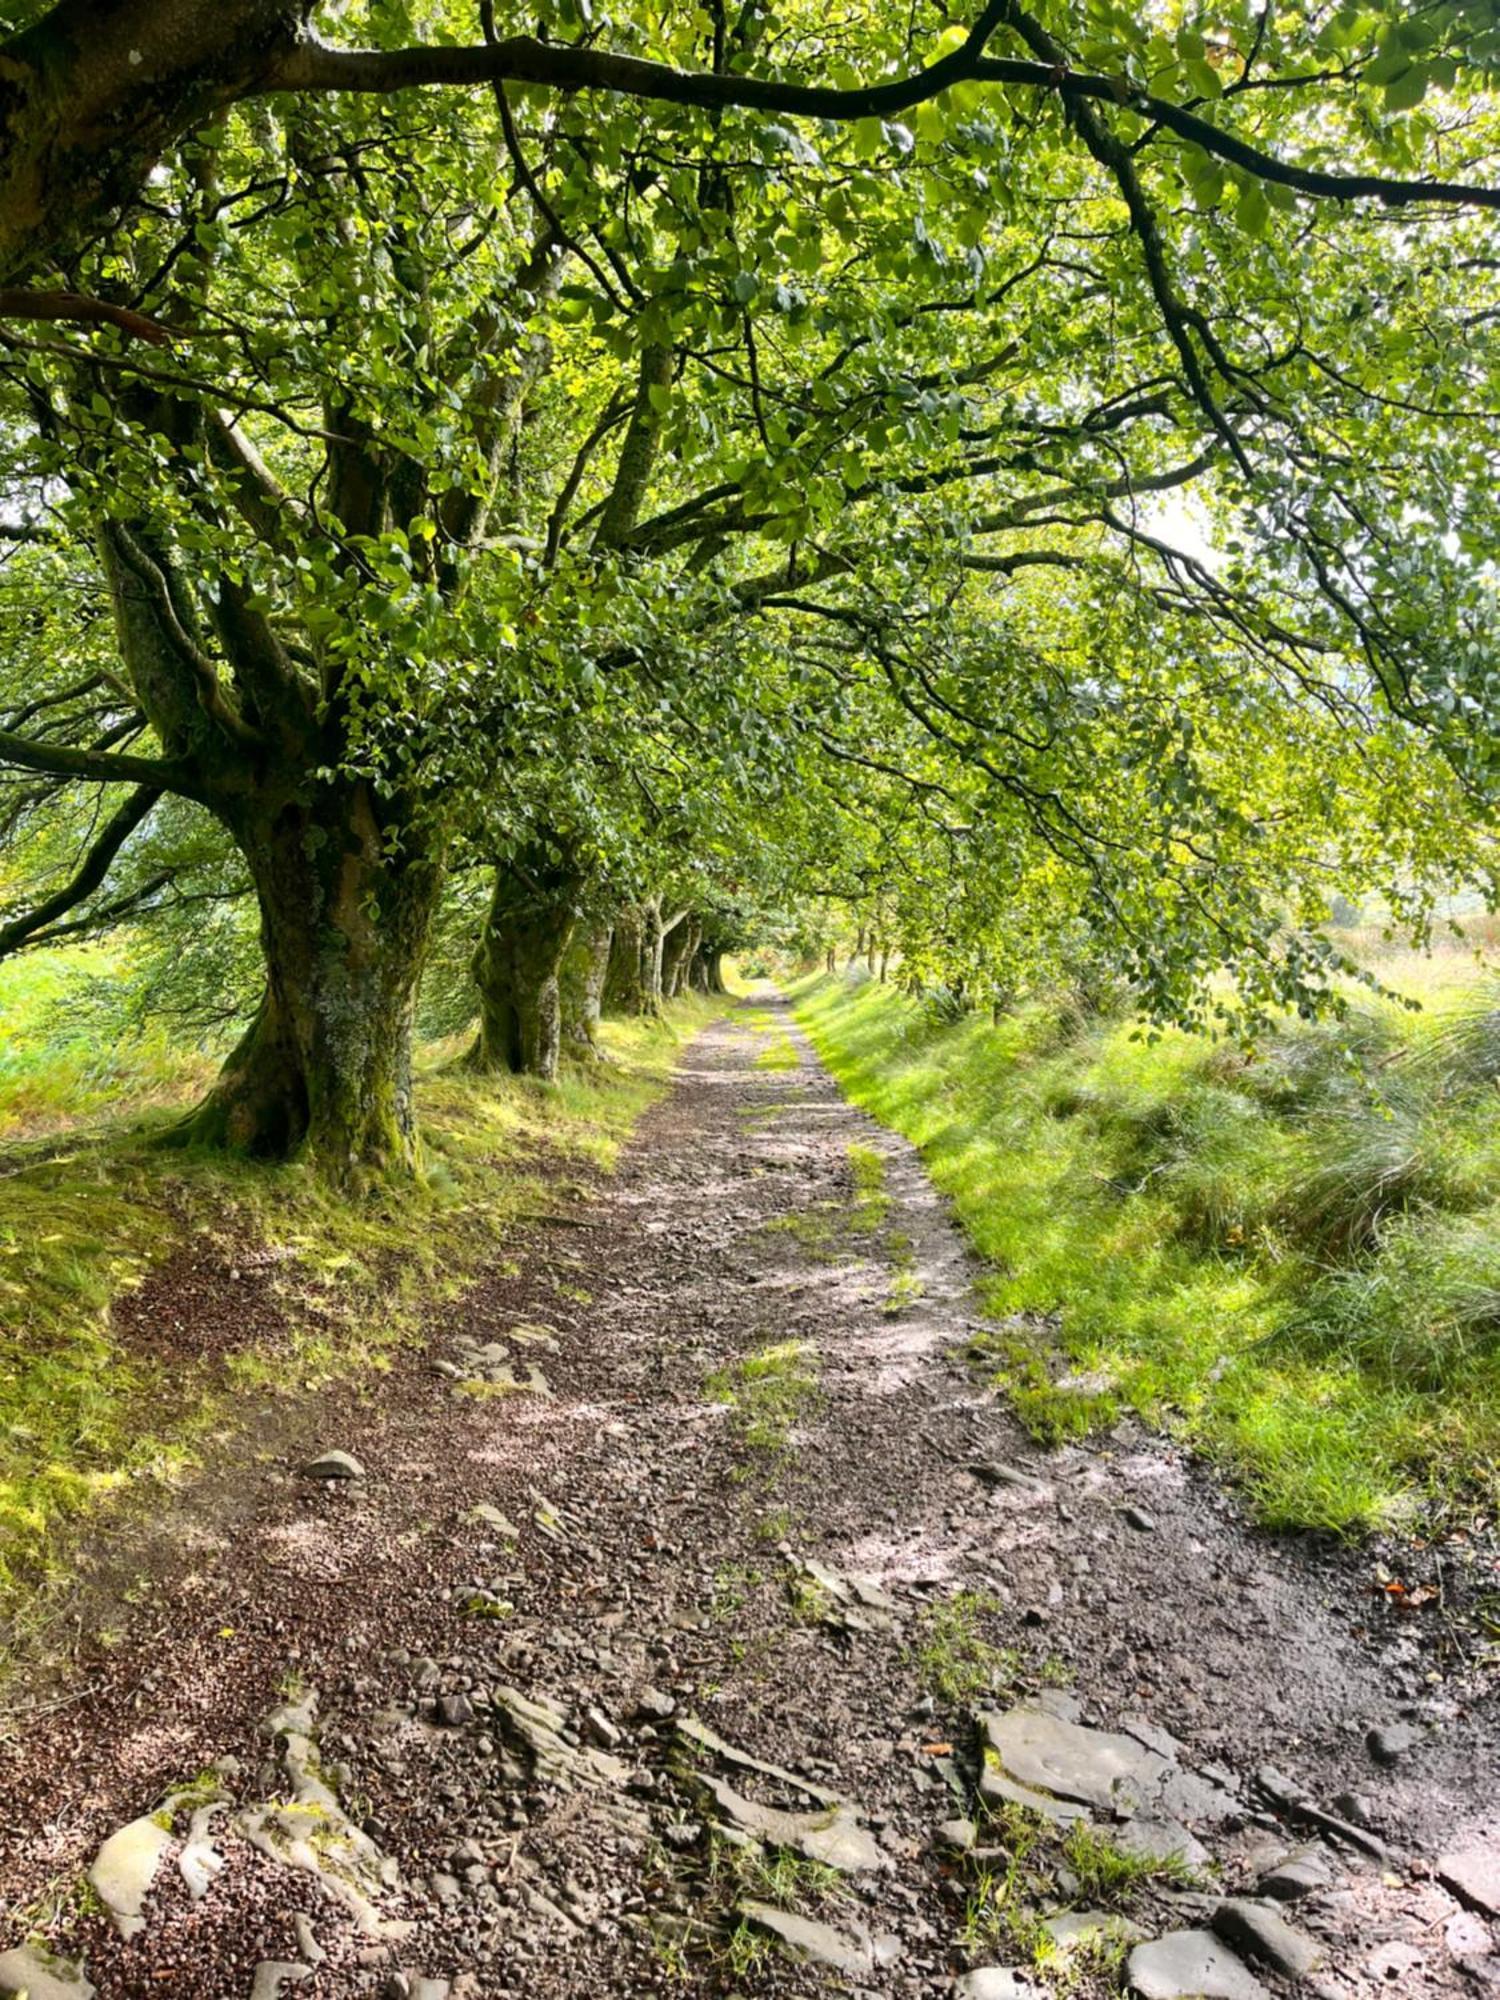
{"x": 1292, "y": 1255}
{"x": 92, "y": 1404}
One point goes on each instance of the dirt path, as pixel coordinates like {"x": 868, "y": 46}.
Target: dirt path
{"x": 487, "y": 1776}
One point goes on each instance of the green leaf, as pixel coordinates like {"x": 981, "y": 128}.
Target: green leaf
{"x": 1403, "y": 93}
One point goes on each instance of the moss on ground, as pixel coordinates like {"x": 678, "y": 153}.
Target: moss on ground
{"x": 86, "y": 1413}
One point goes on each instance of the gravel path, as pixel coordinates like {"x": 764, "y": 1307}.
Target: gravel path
{"x": 709, "y": 1480}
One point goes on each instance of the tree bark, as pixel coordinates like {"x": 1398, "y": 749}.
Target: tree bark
{"x": 653, "y": 945}
{"x": 533, "y": 908}
{"x": 677, "y": 954}
{"x": 624, "y": 985}
{"x": 581, "y": 990}
{"x": 325, "y": 1069}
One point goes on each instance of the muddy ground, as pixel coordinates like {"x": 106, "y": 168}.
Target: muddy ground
{"x": 502, "y": 1753}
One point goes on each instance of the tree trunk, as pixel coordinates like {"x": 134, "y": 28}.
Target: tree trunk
{"x": 533, "y": 908}
{"x": 885, "y": 960}
{"x": 624, "y": 988}
{"x": 677, "y": 955}
{"x": 325, "y": 1068}
{"x": 713, "y": 971}
{"x": 581, "y": 990}
{"x": 653, "y": 946}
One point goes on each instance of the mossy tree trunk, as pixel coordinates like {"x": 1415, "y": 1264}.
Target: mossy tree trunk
{"x": 677, "y": 953}
{"x": 580, "y": 980}
{"x": 345, "y": 908}
{"x": 533, "y": 909}
{"x": 624, "y": 985}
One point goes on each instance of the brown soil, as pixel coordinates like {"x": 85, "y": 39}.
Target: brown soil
{"x": 731, "y": 1225}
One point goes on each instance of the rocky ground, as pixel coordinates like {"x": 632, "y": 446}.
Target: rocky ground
{"x": 693, "y": 1617}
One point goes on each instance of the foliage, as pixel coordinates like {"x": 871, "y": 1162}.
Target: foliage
{"x": 1054, "y": 490}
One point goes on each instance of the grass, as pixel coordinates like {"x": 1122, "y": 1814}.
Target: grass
{"x": 951, "y": 1654}
{"x": 768, "y": 1391}
{"x": 1106, "y": 1873}
{"x": 1290, "y": 1254}
{"x": 872, "y": 1201}
{"x": 85, "y": 1416}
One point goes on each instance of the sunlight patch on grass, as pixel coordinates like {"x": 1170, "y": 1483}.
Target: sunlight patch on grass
{"x": 1291, "y": 1254}
{"x": 83, "y": 1415}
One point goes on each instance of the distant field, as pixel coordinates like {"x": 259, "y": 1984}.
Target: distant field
{"x": 1291, "y": 1253}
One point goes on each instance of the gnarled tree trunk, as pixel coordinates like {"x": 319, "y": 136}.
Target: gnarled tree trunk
{"x": 677, "y": 954}
{"x": 325, "y": 1068}
{"x": 624, "y": 986}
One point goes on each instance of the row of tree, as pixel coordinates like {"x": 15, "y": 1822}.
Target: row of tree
{"x": 1026, "y": 486}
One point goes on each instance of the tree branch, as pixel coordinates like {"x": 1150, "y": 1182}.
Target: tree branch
{"x": 61, "y": 760}
{"x": 95, "y": 866}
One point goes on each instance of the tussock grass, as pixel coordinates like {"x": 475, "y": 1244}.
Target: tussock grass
{"x": 86, "y": 1218}
{"x": 1290, "y": 1254}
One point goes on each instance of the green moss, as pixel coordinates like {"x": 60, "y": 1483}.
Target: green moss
{"x": 768, "y": 1391}
{"x": 86, "y": 1414}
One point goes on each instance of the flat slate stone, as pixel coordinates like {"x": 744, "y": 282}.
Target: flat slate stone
{"x": 994, "y": 1982}
{"x": 995, "y": 1788}
{"x": 1296, "y": 1875}
{"x": 333, "y": 1465}
{"x": 1190, "y": 1965}
{"x": 1474, "y": 1877}
{"x": 272, "y": 1974}
{"x": 1262, "y": 1933}
{"x": 833, "y": 1836}
{"x": 1089, "y": 1766}
{"x": 809, "y": 1939}
{"x": 1080, "y": 1926}
{"x": 491, "y": 1517}
{"x": 1155, "y": 1839}
{"x": 124, "y": 1869}
{"x": 36, "y": 1973}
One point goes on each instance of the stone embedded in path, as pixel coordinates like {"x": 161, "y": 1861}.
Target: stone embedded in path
{"x": 1299, "y": 1874}
{"x": 994, "y": 1982}
{"x": 833, "y": 1836}
{"x": 1160, "y": 1840}
{"x": 1263, "y": 1934}
{"x": 1037, "y": 1755}
{"x": 31, "y": 1971}
{"x": 333, "y": 1465}
{"x": 1391, "y": 1742}
{"x": 700, "y": 1737}
{"x": 1190, "y": 1965}
{"x": 810, "y": 1939}
{"x": 124, "y": 1869}
{"x": 486, "y": 1516}
{"x": 1075, "y": 1927}
{"x": 272, "y": 1974}
{"x": 1091, "y": 1767}
{"x": 994, "y": 1472}
{"x": 852, "y": 1603}
{"x": 1474, "y": 1877}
